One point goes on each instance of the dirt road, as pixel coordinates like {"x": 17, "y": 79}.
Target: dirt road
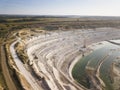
{"x": 8, "y": 79}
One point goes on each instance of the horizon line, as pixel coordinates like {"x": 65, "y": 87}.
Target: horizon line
{"x": 62, "y": 15}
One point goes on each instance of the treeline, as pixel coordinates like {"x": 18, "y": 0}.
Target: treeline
{"x": 66, "y": 25}
{"x": 25, "y": 20}
{"x": 3, "y": 21}
{"x": 18, "y": 20}
{"x": 16, "y": 23}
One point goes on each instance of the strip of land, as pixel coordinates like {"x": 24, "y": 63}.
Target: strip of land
{"x": 8, "y": 79}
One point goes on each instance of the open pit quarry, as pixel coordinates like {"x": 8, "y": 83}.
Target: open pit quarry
{"x": 53, "y": 55}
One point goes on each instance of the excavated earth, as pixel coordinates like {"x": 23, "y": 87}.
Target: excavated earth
{"x": 53, "y": 55}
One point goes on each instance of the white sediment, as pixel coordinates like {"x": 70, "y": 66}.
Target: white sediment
{"x": 58, "y": 53}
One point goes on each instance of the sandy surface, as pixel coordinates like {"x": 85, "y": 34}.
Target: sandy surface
{"x": 22, "y": 69}
{"x": 57, "y": 53}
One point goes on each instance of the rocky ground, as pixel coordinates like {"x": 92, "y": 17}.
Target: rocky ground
{"x": 53, "y": 55}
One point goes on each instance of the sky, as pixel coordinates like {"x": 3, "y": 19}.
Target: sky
{"x": 61, "y": 7}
